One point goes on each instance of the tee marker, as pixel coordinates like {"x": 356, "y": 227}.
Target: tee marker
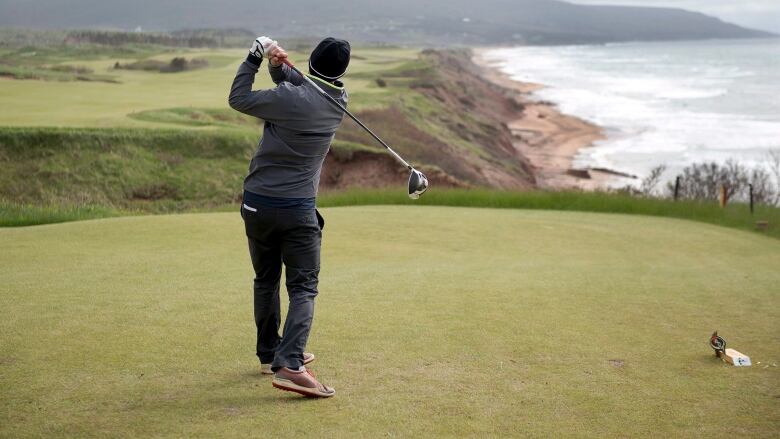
{"x": 730, "y": 356}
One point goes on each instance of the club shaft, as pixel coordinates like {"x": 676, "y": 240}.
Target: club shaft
{"x": 352, "y": 116}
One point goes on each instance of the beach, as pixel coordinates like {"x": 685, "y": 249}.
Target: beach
{"x": 670, "y": 104}
{"x": 549, "y": 138}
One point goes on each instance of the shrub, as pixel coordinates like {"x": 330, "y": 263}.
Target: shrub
{"x": 176, "y": 65}
{"x": 703, "y": 181}
{"x": 650, "y": 182}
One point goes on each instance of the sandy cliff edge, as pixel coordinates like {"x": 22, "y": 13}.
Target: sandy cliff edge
{"x": 548, "y": 138}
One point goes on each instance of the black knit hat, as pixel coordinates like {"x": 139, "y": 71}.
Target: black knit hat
{"x": 329, "y": 60}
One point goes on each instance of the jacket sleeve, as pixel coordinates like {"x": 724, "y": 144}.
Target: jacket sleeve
{"x": 265, "y": 104}
{"x": 284, "y": 73}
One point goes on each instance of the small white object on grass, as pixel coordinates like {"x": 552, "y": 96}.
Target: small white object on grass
{"x": 735, "y": 357}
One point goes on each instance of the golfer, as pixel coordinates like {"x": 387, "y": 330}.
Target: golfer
{"x": 279, "y": 202}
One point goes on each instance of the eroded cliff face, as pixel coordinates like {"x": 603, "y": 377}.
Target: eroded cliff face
{"x": 462, "y": 90}
{"x": 368, "y": 169}
{"x": 456, "y": 128}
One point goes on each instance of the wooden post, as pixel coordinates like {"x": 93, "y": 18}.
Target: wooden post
{"x": 724, "y": 199}
{"x": 751, "y": 198}
{"x": 676, "y": 188}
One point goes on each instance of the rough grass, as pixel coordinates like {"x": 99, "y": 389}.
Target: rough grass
{"x": 736, "y": 215}
{"x": 126, "y": 168}
{"x": 152, "y": 170}
{"x": 62, "y": 73}
{"x": 18, "y": 214}
{"x": 431, "y": 322}
{"x": 224, "y": 117}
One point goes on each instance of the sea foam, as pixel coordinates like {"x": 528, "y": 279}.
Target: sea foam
{"x": 661, "y": 103}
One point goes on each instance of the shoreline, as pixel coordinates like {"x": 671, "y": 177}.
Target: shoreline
{"x": 549, "y": 138}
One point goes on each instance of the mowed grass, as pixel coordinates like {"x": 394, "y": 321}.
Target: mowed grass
{"x": 431, "y": 322}
{"x": 100, "y": 104}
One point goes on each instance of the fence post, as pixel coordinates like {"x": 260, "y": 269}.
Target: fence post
{"x": 676, "y": 187}
{"x": 751, "y": 198}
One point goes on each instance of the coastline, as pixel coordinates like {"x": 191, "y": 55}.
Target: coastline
{"x": 548, "y": 138}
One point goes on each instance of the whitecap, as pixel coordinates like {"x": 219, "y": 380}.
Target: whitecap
{"x": 662, "y": 103}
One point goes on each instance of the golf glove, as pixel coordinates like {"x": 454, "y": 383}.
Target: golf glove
{"x": 262, "y": 47}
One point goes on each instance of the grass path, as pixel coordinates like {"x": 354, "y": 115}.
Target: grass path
{"x": 431, "y": 321}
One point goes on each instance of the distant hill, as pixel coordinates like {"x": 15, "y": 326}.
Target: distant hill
{"x": 442, "y": 22}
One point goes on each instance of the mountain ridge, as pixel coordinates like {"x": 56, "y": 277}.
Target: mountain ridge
{"x": 456, "y": 22}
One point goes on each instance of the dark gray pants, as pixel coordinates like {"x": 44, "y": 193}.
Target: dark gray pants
{"x": 293, "y": 238}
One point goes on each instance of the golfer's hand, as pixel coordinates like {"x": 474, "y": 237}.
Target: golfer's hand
{"x": 276, "y": 56}
{"x": 262, "y": 46}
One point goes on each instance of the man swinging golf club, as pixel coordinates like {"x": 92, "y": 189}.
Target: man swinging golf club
{"x": 278, "y": 208}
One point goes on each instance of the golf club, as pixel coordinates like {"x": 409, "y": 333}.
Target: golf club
{"x": 418, "y": 182}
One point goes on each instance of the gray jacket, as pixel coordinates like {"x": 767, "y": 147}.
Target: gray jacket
{"x": 300, "y": 125}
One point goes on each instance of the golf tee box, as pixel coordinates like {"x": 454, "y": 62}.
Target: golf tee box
{"x": 734, "y": 357}
{"x": 730, "y": 356}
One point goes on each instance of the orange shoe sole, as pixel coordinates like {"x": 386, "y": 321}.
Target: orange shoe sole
{"x": 289, "y": 386}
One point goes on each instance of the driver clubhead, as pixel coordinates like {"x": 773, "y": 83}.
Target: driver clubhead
{"x": 418, "y": 184}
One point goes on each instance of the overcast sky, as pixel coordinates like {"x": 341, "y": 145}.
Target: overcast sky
{"x": 759, "y": 14}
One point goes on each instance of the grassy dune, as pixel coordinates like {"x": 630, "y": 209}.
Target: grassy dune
{"x": 130, "y": 169}
{"x": 431, "y": 322}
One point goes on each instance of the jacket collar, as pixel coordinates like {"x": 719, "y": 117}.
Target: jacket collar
{"x": 336, "y": 85}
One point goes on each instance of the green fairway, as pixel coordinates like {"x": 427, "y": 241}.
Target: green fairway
{"x": 101, "y": 104}
{"x": 78, "y": 113}
{"x": 431, "y": 322}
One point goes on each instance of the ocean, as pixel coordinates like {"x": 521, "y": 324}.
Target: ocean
{"x": 670, "y": 103}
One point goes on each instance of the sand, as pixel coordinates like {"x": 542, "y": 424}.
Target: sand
{"x": 548, "y": 138}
